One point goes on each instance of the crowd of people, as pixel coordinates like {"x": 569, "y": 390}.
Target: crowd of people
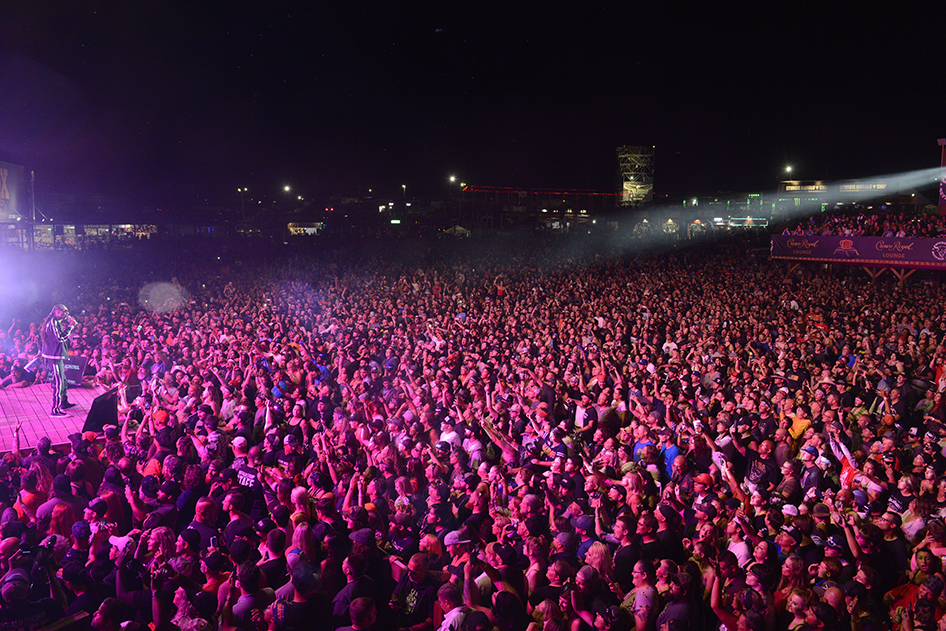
{"x": 864, "y": 222}
{"x": 497, "y": 439}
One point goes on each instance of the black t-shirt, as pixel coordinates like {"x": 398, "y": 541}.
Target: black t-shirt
{"x": 624, "y": 559}
{"x": 762, "y": 471}
{"x": 811, "y": 478}
{"x": 545, "y": 592}
{"x": 686, "y": 611}
{"x": 795, "y": 378}
{"x": 656, "y": 551}
{"x": 29, "y": 616}
{"x": 310, "y": 614}
{"x": 403, "y": 545}
{"x": 276, "y": 572}
{"x": 282, "y": 460}
{"x": 362, "y": 587}
{"x": 234, "y": 527}
{"x": 673, "y": 544}
{"x": 168, "y": 515}
{"x": 87, "y": 602}
{"x": 247, "y": 478}
{"x": 206, "y": 532}
{"x": 898, "y": 502}
{"x": 415, "y": 600}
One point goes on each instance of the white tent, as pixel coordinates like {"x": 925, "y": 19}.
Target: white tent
{"x": 458, "y": 231}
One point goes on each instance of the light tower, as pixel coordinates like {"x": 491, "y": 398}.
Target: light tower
{"x": 635, "y": 175}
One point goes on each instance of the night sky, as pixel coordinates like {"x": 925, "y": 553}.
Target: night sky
{"x": 177, "y": 103}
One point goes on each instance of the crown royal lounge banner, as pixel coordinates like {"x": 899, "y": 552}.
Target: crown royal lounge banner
{"x": 870, "y": 251}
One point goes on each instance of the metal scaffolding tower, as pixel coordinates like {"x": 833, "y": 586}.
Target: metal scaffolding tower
{"x": 635, "y": 175}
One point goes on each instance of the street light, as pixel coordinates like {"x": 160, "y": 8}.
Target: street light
{"x": 286, "y": 190}
{"x": 241, "y": 191}
{"x": 453, "y": 178}
{"x": 788, "y": 169}
{"x": 404, "y": 187}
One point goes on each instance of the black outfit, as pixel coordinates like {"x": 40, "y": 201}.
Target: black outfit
{"x": 415, "y": 600}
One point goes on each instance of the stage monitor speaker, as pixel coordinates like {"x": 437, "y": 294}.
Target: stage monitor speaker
{"x": 75, "y": 369}
{"x": 104, "y": 411}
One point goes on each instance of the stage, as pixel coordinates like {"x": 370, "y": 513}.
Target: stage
{"x": 32, "y": 405}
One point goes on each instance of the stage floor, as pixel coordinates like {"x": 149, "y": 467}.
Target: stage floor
{"x": 32, "y": 406}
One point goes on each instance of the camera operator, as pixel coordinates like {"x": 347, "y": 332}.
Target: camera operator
{"x": 21, "y": 608}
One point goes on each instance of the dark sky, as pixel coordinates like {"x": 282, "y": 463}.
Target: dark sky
{"x": 179, "y": 102}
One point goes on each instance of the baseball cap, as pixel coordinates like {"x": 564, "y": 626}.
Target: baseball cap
{"x": 357, "y": 513}
{"x": 113, "y": 478}
{"x": 99, "y": 506}
{"x": 62, "y": 484}
{"x": 861, "y": 498}
{"x": 215, "y": 561}
{"x": 281, "y": 515}
{"x": 584, "y": 522}
{"x": 794, "y": 533}
{"x": 565, "y": 539}
{"x": 265, "y": 526}
{"x": 226, "y": 474}
{"x": 364, "y": 536}
{"x": 120, "y": 542}
{"x": 149, "y": 486}
{"x": 81, "y": 530}
{"x": 704, "y": 479}
{"x": 192, "y": 537}
{"x": 836, "y": 542}
{"x": 16, "y": 585}
{"x": 506, "y": 553}
{"x": 707, "y": 509}
{"x": 75, "y": 573}
{"x": 16, "y": 574}
{"x": 855, "y": 589}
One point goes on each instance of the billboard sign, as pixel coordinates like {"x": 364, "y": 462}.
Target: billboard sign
{"x": 870, "y": 251}
{"x": 13, "y": 198}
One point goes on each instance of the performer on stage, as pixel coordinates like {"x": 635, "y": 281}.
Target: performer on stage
{"x": 57, "y": 328}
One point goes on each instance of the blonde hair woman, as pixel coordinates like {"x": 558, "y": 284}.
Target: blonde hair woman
{"x": 599, "y": 557}
{"x": 300, "y": 504}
